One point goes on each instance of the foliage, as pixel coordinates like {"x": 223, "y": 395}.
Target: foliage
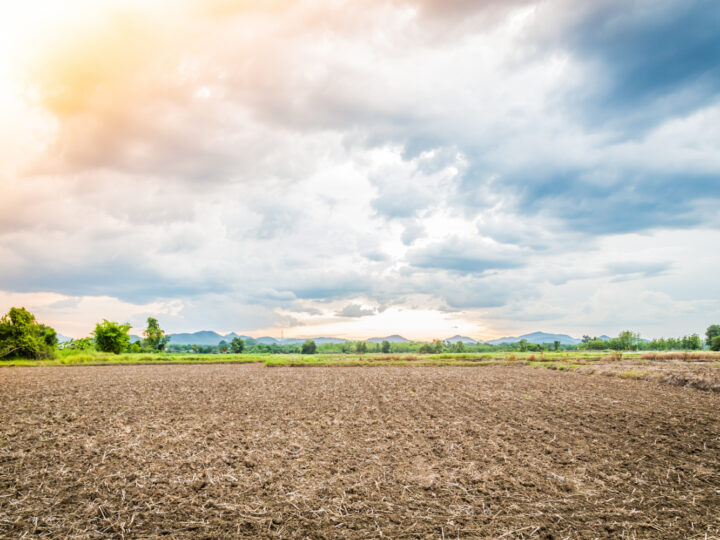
{"x": 23, "y": 337}
{"x": 82, "y": 344}
{"x": 385, "y": 347}
{"x": 715, "y": 343}
{"x": 155, "y": 338}
{"x": 309, "y": 347}
{"x": 361, "y": 347}
{"x": 712, "y": 331}
{"x": 237, "y": 345}
{"x": 111, "y": 336}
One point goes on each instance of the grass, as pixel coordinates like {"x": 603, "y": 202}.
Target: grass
{"x": 563, "y": 360}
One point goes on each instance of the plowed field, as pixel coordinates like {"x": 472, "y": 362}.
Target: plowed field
{"x": 397, "y": 452}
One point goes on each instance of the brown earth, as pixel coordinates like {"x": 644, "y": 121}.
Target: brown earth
{"x": 397, "y": 452}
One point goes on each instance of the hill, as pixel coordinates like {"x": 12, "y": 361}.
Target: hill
{"x": 538, "y": 338}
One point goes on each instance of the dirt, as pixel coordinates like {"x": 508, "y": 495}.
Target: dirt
{"x": 398, "y": 452}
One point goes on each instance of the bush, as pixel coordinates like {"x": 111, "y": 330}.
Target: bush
{"x": 308, "y": 347}
{"x": 237, "y": 345}
{"x": 111, "y": 336}
{"x": 715, "y": 344}
{"x": 22, "y": 336}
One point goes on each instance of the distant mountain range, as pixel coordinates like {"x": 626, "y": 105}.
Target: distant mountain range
{"x": 209, "y": 337}
{"x": 464, "y": 339}
{"x": 538, "y": 338}
{"x": 390, "y": 339}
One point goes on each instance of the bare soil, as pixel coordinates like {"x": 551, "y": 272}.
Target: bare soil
{"x": 399, "y": 452}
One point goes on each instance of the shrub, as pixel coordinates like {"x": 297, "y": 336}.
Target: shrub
{"x": 715, "y": 344}
{"x": 308, "y": 347}
{"x": 237, "y": 345}
{"x": 111, "y": 336}
{"x": 22, "y": 336}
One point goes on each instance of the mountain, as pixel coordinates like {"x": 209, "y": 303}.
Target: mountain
{"x": 324, "y": 340}
{"x": 464, "y": 339}
{"x": 204, "y": 337}
{"x": 208, "y": 337}
{"x": 63, "y": 339}
{"x": 538, "y": 338}
{"x": 391, "y": 339}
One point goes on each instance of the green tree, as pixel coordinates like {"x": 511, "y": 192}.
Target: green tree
{"x": 627, "y": 340}
{"x": 237, "y": 345}
{"x": 111, "y": 336}
{"x": 693, "y": 342}
{"x": 712, "y": 331}
{"x": 22, "y": 336}
{"x": 82, "y": 344}
{"x": 49, "y": 335}
{"x": 426, "y": 348}
{"x": 556, "y": 345}
{"x": 361, "y": 347}
{"x": 222, "y": 346}
{"x": 385, "y": 347}
{"x": 155, "y": 338}
{"x": 308, "y": 347}
{"x": 715, "y": 343}
{"x": 459, "y": 347}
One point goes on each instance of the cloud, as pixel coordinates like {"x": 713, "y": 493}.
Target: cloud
{"x": 265, "y": 164}
{"x": 355, "y": 310}
{"x": 637, "y": 77}
{"x": 465, "y": 256}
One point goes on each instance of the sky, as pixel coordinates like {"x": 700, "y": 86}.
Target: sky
{"x": 358, "y": 169}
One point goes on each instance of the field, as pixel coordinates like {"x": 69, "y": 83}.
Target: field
{"x": 243, "y": 450}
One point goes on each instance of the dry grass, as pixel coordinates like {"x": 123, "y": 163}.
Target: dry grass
{"x": 684, "y": 356}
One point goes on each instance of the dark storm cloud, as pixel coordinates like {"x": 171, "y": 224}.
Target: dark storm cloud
{"x": 628, "y": 201}
{"x": 650, "y": 59}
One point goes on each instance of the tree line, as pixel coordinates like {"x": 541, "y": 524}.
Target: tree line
{"x": 22, "y": 336}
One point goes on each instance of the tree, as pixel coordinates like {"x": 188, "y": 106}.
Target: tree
{"x": 155, "y": 338}
{"x": 556, "y": 345}
{"x": 693, "y": 342}
{"x": 459, "y": 347}
{"x": 715, "y": 343}
{"x": 111, "y": 336}
{"x": 712, "y": 331}
{"x": 361, "y": 347}
{"x": 237, "y": 345}
{"x": 82, "y": 344}
{"x": 385, "y": 347}
{"x": 627, "y": 340}
{"x": 21, "y": 335}
{"x": 308, "y": 347}
{"x": 222, "y": 346}
{"x": 426, "y": 348}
